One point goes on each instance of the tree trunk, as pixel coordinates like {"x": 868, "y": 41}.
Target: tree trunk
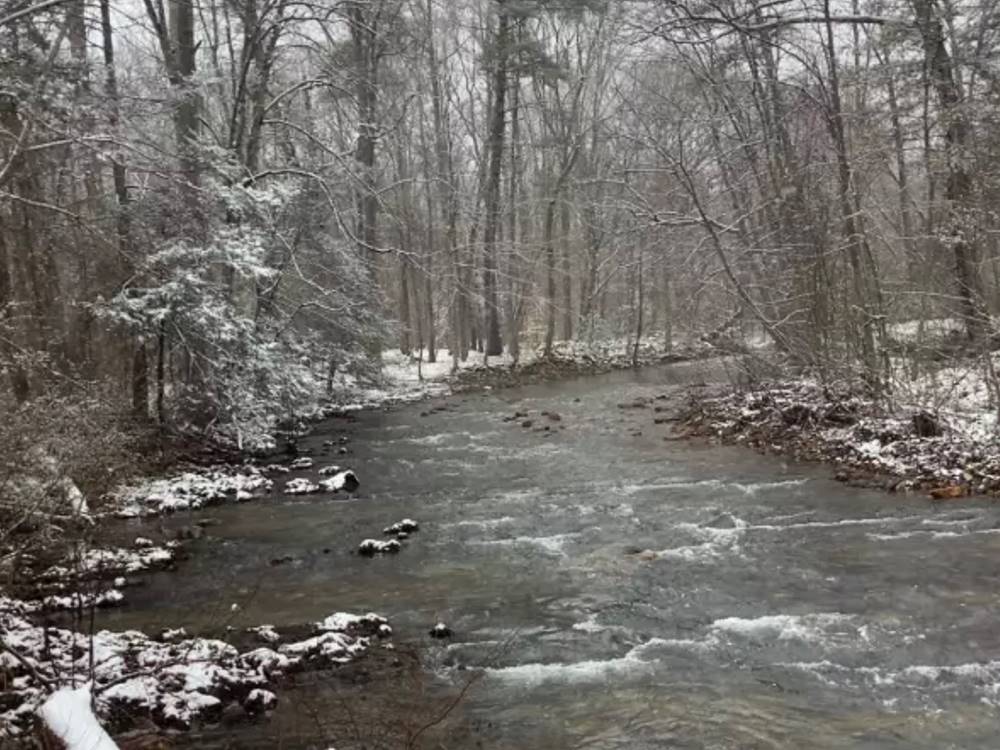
{"x": 446, "y": 186}
{"x": 140, "y": 360}
{"x": 959, "y": 187}
{"x": 668, "y": 308}
{"x": 494, "y": 342}
{"x": 866, "y": 318}
{"x": 186, "y": 114}
{"x": 567, "y": 275}
{"x": 405, "y": 327}
{"x": 640, "y": 309}
{"x": 364, "y": 35}
{"x": 550, "y": 276}
{"x": 514, "y": 296}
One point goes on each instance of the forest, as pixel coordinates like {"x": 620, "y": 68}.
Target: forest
{"x": 212, "y": 211}
{"x": 239, "y": 237}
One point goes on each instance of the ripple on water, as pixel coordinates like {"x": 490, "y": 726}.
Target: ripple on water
{"x": 916, "y": 685}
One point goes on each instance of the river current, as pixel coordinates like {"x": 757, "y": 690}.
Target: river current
{"x": 781, "y": 609}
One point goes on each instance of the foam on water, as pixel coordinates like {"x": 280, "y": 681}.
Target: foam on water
{"x": 591, "y": 625}
{"x": 753, "y": 488}
{"x": 704, "y": 552}
{"x": 718, "y": 541}
{"x": 812, "y": 627}
{"x": 921, "y": 684}
{"x": 551, "y": 544}
{"x": 842, "y": 523}
{"x": 928, "y": 534}
{"x": 486, "y": 523}
{"x": 535, "y": 673}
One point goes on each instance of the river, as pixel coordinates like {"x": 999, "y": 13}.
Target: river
{"x": 782, "y": 609}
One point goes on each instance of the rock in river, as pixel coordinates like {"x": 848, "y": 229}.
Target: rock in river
{"x": 440, "y": 631}
{"x": 372, "y": 547}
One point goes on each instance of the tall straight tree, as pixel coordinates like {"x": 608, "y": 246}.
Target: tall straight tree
{"x": 497, "y": 130}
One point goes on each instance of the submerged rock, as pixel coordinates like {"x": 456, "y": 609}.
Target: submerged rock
{"x": 722, "y": 521}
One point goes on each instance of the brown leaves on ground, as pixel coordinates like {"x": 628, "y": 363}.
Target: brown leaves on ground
{"x": 950, "y": 492}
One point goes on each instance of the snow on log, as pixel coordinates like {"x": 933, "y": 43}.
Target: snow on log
{"x": 68, "y": 715}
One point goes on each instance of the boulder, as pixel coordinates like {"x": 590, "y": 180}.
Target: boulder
{"x": 259, "y": 701}
{"x": 440, "y": 631}
{"x": 344, "y": 480}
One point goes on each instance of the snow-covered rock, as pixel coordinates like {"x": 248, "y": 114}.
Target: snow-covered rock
{"x": 344, "y": 480}
{"x": 372, "y": 547}
{"x": 344, "y": 622}
{"x": 259, "y": 700}
{"x": 440, "y": 630}
{"x": 301, "y": 463}
{"x": 83, "y": 600}
{"x": 189, "y": 490}
{"x": 100, "y": 562}
{"x": 266, "y": 633}
{"x": 300, "y": 486}
{"x": 406, "y": 526}
{"x": 172, "y": 682}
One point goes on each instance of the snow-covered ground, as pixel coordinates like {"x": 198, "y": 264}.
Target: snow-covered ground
{"x": 910, "y": 331}
{"x": 960, "y": 395}
{"x": 411, "y": 378}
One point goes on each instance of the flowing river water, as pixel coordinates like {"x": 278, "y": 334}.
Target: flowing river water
{"x": 782, "y": 610}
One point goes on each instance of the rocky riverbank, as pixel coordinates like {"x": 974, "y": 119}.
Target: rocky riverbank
{"x": 908, "y": 449}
